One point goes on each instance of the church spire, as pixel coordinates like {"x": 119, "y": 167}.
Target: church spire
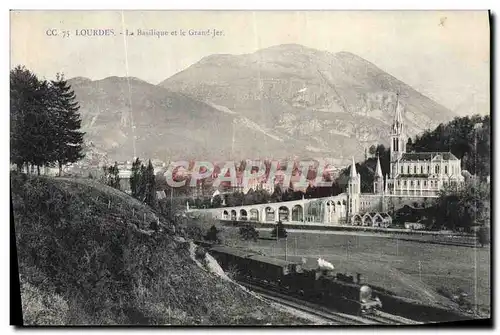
{"x": 353, "y": 169}
{"x": 398, "y": 118}
{"x": 378, "y": 169}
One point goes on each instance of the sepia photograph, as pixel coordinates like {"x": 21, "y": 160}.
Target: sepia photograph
{"x": 250, "y": 168}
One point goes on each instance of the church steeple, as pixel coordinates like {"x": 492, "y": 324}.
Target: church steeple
{"x": 353, "y": 191}
{"x": 378, "y": 169}
{"x": 398, "y": 137}
{"x": 353, "y": 169}
{"x": 397, "y": 124}
{"x": 378, "y": 179}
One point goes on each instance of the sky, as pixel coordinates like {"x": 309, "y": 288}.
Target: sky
{"x": 444, "y": 55}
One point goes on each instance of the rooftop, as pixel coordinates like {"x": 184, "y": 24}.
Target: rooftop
{"x": 427, "y": 156}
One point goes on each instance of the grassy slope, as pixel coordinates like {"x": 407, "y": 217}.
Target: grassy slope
{"x": 81, "y": 262}
{"x": 392, "y": 264}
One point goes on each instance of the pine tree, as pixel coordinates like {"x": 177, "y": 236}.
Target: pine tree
{"x": 141, "y": 187}
{"x": 32, "y": 125}
{"x": 150, "y": 188}
{"x": 135, "y": 177}
{"x": 105, "y": 175}
{"x": 115, "y": 175}
{"x": 69, "y": 139}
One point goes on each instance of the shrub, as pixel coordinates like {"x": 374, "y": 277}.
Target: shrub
{"x": 249, "y": 233}
{"x": 213, "y": 235}
{"x": 483, "y": 236}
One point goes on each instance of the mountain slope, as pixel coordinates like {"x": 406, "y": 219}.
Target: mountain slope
{"x": 168, "y": 125}
{"x": 165, "y": 124}
{"x": 336, "y": 103}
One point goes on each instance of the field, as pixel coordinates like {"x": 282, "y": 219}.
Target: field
{"x": 430, "y": 273}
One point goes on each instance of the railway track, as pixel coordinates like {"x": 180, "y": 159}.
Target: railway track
{"x": 331, "y": 316}
{"x": 390, "y": 319}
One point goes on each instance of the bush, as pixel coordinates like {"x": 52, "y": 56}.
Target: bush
{"x": 483, "y": 236}
{"x": 213, "y": 235}
{"x": 249, "y": 233}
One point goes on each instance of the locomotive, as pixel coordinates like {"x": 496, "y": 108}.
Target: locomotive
{"x": 322, "y": 286}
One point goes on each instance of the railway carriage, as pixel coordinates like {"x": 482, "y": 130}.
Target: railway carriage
{"x": 321, "y": 286}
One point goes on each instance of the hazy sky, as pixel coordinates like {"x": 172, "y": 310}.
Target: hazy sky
{"x": 444, "y": 55}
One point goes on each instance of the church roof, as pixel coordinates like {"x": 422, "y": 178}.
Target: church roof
{"x": 427, "y": 156}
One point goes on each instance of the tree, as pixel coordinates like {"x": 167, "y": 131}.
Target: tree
{"x": 483, "y": 236}
{"x": 409, "y": 145}
{"x": 249, "y": 233}
{"x": 467, "y": 207}
{"x": 45, "y": 123}
{"x": 372, "y": 150}
{"x": 213, "y": 235}
{"x": 277, "y": 195}
{"x": 115, "y": 176}
{"x": 135, "y": 178}
{"x": 111, "y": 176}
{"x": 33, "y": 128}
{"x": 468, "y": 138}
{"x": 149, "y": 185}
{"x": 69, "y": 140}
{"x": 216, "y": 201}
{"x": 279, "y": 230}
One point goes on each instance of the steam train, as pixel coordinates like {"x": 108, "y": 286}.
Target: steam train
{"x": 321, "y": 286}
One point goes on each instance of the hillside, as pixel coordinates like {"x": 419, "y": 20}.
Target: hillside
{"x": 329, "y": 104}
{"x": 86, "y": 256}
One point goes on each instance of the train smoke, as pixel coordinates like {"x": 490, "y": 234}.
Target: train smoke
{"x": 325, "y": 265}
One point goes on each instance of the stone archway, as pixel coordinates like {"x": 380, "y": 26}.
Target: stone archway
{"x": 270, "y": 215}
{"x": 283, "y": 214}
{"x": 233, "y": 215}
{"x": 330, "y": 211}
{"x": 254, "y": 215}
{"x": 297, "y": 213}
{"x": 378, "y": 220}
{"x": 225, "y": 215}
{"x": 243, "y": 215}
{"x": 313, "y": 213}
{"x": 357, "y": 220}
{"x": 367, "y": 220}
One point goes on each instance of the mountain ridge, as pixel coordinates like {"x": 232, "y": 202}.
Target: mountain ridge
{"x": 278, "y": 101}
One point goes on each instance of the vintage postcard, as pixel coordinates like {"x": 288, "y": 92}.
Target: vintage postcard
{"x": 250, "y": 167}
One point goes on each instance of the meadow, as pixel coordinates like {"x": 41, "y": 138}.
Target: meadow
{"x": 430, "y": 273}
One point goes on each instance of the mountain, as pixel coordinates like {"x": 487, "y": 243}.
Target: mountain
{"x": 325, "y": 104}
{"x": 280, "y": 102}
{"x": 166, "y": 125}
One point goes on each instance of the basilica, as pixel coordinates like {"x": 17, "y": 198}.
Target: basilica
{"x": 413, "y": 176}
